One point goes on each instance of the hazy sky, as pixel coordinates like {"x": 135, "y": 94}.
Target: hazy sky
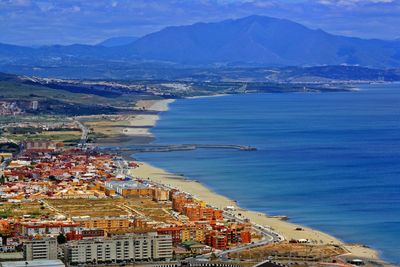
{"x": 37, "y": 22}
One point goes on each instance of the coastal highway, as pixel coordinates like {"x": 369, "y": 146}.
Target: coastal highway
{"x": 268, "y": 234}
{"x": 268, "y": 237}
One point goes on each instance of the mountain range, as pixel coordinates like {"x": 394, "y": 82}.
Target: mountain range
{"x": 256, "y": 40}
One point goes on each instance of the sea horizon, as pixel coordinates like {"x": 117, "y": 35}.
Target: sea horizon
{"x": 176, "y": 126}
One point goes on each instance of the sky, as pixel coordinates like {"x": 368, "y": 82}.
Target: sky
{"x": 46, "y": 22}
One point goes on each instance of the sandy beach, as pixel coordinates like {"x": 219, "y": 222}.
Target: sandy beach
{"x": 285, "y": 228}
{"x": 125, "y": 129}
{"x": 140, "y": 124}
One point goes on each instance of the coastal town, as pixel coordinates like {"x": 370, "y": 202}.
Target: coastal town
{"x": 73, "y": 203}
{"x": 199, "y": 133}
{"x": 77, "y": 194}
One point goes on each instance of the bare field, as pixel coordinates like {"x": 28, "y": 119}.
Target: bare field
{"x": 287, "y": 251}
{"x": 144, "y": 206}
{"x": 156, "y": 211}
{"x": 33, "y": 209}
{"x": 88, "y": 207}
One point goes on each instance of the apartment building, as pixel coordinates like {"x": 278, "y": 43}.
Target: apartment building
{"x": 129, "y": 188}
{"x": 132, "y": 247}
{"x": 40, "y": 249}
{"x": 196, "y": 213}
{"x": 105, "y": 223}
{"x": 47, "y": 228}
{"x": 160, "y": 194}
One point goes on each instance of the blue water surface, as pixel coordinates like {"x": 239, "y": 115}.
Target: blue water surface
{"x": 327, "y": 160}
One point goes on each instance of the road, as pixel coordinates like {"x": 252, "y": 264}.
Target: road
{"x": 268, "y": 237}
{"x": 52, "y": 208}
{"x": 84, "y": 135}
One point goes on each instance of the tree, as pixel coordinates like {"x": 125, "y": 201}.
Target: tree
{"x": 213, "y": 257}
{"x": 52, "y": 178}
{"x": 173, "y": 255}
{"x": 61, "y": 239}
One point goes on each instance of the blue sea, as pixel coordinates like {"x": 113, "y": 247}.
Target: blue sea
{"x": 327, "y": 160}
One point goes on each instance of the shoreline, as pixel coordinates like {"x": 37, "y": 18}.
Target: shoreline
{"x": 143, "y": 123}
{"x": 286, "y": 228}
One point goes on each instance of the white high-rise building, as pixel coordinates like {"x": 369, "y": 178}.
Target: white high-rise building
{"x": 132, "y": 247}
{"x": 40, "y": 249}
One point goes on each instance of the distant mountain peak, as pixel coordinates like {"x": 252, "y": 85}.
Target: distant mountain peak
{"x": 262, "y": 40}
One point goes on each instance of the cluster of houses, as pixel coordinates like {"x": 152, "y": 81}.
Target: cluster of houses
{"x": 38, "y": 173}
{"x": 44, "y": 171}
{"x": 9, "y": 108}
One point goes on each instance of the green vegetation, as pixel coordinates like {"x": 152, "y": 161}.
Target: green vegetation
{"x": 5, "y": 213}
{"x": 93, "y": 136}
{"x": 54, "y": 99}
{"x": 33, "y": 209}
{"x": 20, "y": 91}
{"x": 67, "y": 137}
{"x": 9, "y": 148}
{"x": 31, "y": 118}
{"x": 61, "y": 239}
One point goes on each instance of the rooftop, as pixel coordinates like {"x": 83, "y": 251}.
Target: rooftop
{"x": 125, "y": 185}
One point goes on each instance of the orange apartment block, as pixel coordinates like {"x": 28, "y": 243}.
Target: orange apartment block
{"x": 216, "y": 240}
{"x": 5, "y": 228}
{"x": 197, "y": 213}
{"x": 107, "y": 223}
{"x": 245, "y": 237}
{"x": 175, "y": 232}
{"x": 219, "y": 242}
{"x": 179, "y": 201}
{"x": 192, "y": 211}
{"x": 160, "y": 194}
{"x": 193, "y": 233}
{"x": 185, "y": 235}
{"x": 84, "y": 234}
{"x": 136, "y": 192}
{"x": 232, "y": 235}
{"x": 200, "y": 235}
{"x": 107, "y": 191}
